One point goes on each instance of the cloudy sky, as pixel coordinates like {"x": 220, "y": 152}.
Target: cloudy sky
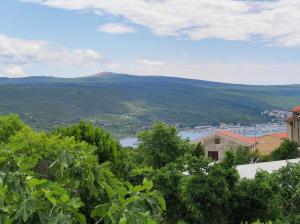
{"x": 236, "y": 41}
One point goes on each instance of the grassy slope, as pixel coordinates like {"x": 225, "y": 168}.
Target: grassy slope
{"x": 124, "y": 104}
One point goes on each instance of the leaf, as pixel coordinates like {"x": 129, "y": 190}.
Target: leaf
{"x": 138, "y": 188}
{"x": 148, "y": 184}
{"x": 32, "y": 182}
{"x": 27, "y": 163}
{"x": 26, "y": 209}
{"x": 76, "y": 203}
{"x": 123, "y": 220}
{"x": 100, "y": 210}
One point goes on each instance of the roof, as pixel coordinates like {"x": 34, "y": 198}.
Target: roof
{"x": 249, "y": 171}
{"x": 296, "y": 109}
{"x": 247, "y": 140}
{"x": 280, "y": 135}
{"x": 290, "y": 119}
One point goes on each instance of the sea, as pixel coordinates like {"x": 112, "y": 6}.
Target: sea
{"x": 201, "y": 131}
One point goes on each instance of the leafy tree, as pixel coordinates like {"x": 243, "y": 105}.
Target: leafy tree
{"x": 108, "y": 149}
{"x": 207, "y": 196}
{"x": 287, "y": 150}
{"x": 168, "y": 181}
{"x": 9, "y": 126}
{"x": 161, "y": 145}
{"x": 53, "y": 179}
{"x": 198, "y": 150}
{"x": 257, "y": 199}
{"x": 288, "y": 179}
{"x": 132, "y": 205}
{"x": 244, "y": 155}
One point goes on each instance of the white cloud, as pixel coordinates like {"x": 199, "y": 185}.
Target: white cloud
{"x": 151, "y": 63}
{"x": 14, "y": 71}
{"x": 274, "y": 21}
{"x": 22, "y": 51}
{"x": 116, "y": 28}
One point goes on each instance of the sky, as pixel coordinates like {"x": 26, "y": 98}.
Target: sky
{"x": 232, "y": 41}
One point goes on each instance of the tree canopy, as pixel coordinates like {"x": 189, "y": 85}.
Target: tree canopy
{"x": 80, "y": 174}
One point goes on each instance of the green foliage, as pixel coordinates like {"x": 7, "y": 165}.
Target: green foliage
{"x": 287, "y": 150}
{"x": 198, "y": 150}
{"x": 257, "y": 199}
{"x": 107, "y": 148}
{"x": 81, "y": 175}
{"x": 9, "y": 125}
{"x": 168, "y": 181}
{"x": 55, "y": 179}
{"x": 288, "y": 178}
{"x": 244, "y": 155}
{"x": 161, "y": 145}
{"x": 132, "y": 205}
{"x": 207, "y": 196}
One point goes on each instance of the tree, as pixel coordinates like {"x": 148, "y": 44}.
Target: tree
{"x": 108, "y": 149}
{"x": 257, "y": 199}
{"x": 9, "y": 126}
{"x": 168, "y": 181}
{"x": 198, "y": 150}
{"x": 207, "y": 195}
{"x": 54, "y": 179}
{"x": 161, "y": 145}
{"x": 288, "y": 179}
{"x": 287, "y": 150}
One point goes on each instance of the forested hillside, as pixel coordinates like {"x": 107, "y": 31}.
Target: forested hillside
{"x": 124, "y": 104}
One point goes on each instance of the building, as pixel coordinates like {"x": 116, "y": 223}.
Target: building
{"x": 268, "y": 143}
{"x": 216, "y": 144}
{"x": 249, "y": 170}
{"x": 293, "y": 124}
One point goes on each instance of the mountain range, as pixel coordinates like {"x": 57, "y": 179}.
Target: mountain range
{"x": 124, "y": 104}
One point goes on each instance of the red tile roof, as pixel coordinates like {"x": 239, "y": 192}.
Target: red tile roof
{"x": 280, "y": 135}
{"x": 296, "y": 109}
{"x": 249, "y": 141}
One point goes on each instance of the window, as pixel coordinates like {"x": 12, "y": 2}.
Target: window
{"x": 217, "y": 141}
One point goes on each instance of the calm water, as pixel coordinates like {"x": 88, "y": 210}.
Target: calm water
{"x": 201, "y": 131}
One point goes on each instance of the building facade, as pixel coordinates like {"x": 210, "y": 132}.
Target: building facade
{"x": 293, "y": 124}
{"x": 216, "y": 144}
{"x": 268, "y": 143}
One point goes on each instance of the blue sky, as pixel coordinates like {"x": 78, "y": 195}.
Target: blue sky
{"x": 251, "y": 42}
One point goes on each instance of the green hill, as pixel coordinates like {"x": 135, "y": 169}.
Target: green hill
{"x": 124, "y": 104}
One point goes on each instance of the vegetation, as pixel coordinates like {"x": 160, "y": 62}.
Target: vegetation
{"x": 124, "y": 104}
{"x": 287, "y": 150}
{"x": 80, "y": 174}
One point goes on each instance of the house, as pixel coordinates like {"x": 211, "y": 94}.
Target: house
{"x": 293, "y": 124}
{"x": 268, "y": 143}
{"x": 216, "y": 144}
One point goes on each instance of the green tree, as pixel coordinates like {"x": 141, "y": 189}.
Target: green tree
{"x": 198, "y": 150}
{"x": 168, "y": 181}
{"x": 108, "y": 149}
{"x": 9, "y": 126}
{"x": 288, "y": 179}
{"x": 161, "y": 145}
{"x": 53, "y": 179}
{"x": 287, "y": 150}
{"x": 257, "y": 199}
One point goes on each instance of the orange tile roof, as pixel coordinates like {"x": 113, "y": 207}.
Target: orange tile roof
{"x": 280, "y": 135}
{"x": 249, "y": 141}
{"x": 296, "y": 109}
